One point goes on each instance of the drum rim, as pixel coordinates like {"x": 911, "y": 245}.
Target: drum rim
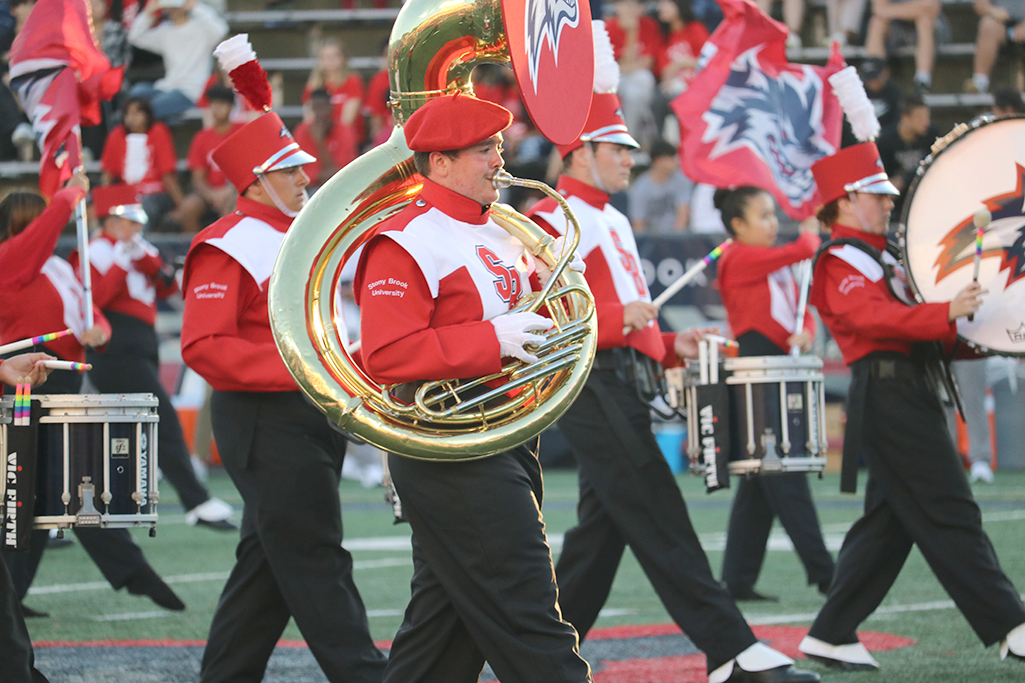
{"x": 954, "y": 136}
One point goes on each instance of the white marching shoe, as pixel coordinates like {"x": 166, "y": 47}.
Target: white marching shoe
{"x": 1014, "y": 643}
{"x": 981, "y": 472}
{"x": 213, "y": 513}
{"x": 852, "y": 657}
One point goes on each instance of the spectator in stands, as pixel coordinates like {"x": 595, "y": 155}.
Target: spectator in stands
{"x": 111, "y": 33}
{"x": 904, "y": 145}
{"x": 882, "y": 91}
{"x": 999, "y": 21}
{"x": 185, "y": 41}
{"x": 636, "y": 41}
{"x": 332, "y": 144}
{"x": 140, "y": 152}
{"x": 211, "y": 192}
{"x": 13, "y": 14}
{"x": 375, "y": 105}
{"x": 921, "y": 13}
{"x": 793, "y": 17}
{"x": 660, "y": 197}
{"x": 17, "y": 141}
{"x": 345, "y": 86}
{"x": 497, "y": 84}
{"x": 241, "y": 112}
{"x": 1007, "y": 102}
{"x": 844, "y": 18}
{"x": 684, "y": 36}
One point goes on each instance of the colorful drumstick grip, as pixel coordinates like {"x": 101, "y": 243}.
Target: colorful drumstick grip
{"x": 32, "y": 341}
{"x": 66, "y": 365}
{"x": 981, "y": 220}
{"x": 723, "y": 341}
{"x": 691, "y": 273}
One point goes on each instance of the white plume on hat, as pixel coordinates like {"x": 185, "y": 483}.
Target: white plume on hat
{"x": 850, "y": 91}
{"x": 606, "y": 68}
{"x": 238, "y": 59}
{"x": 234, "y": 52}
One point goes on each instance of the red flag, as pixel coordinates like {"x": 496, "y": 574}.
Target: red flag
{"x": 61, "y": 75}
{"x": 750, "y": 117}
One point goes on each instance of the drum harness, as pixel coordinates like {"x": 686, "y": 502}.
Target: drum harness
{"x": 928, "y": 362}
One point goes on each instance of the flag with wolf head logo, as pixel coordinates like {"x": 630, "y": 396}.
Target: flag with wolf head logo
{"x": 750, "y": 117}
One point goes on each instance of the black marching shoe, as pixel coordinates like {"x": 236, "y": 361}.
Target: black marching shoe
{"x": 748, "y": 594}
{"x": 146, "y": 582}
{"x": 780, "y": 674}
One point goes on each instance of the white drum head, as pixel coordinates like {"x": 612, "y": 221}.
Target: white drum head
{"x": 983, "y": 168}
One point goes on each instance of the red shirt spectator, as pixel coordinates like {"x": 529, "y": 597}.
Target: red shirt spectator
{"x": 649, "y": 38}
{"x": 202, "y": 145}
{"x": 375, "y": 107}
{"x": 682, "y": 46}
{"x": 144, "y": 165}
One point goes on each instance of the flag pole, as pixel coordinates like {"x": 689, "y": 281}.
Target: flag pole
{"x": 83, "y": 260}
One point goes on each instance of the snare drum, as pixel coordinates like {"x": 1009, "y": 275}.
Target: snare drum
{"x": 980, "y": 165}
{"x": 761, "y": 438}
{"x": 97, "y": 460}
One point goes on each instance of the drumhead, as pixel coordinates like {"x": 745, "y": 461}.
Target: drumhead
{"x": 983, "y": 167}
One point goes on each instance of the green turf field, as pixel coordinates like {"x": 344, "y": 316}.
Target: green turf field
{"x": 196, "y": 561}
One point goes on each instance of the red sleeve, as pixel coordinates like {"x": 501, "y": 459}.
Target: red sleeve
{"x": 863, "y": 308}
{"x": 353, "y": 86}
{"x": 22, "y": 256}
{"x": 211, "y": 344}
{"x": 744, "y": 265}
{"x": 150, "y": 264}
{"x": 696, "y": 34}
{"x": 651, "y": 36}
{"x": 377, "y": 95}
{"x": 112, "y": 160}
{"x": 165, "y": 159}
{"x": 196, "y": 158}
{"x": 398, "y": 342}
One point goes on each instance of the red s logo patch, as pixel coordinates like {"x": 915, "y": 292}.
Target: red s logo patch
{"x": 507, "y": 280}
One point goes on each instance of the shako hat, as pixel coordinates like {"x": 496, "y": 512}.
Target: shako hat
{"x": 119, "y": 200}
{"x": 852, "y": 169}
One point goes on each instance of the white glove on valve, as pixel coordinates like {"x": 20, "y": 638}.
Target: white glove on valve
{"x": 544, "y": 272}
{"x": 514, "y": 331}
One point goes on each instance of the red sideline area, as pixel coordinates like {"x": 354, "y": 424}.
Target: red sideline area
{"x": 680, "y": 669}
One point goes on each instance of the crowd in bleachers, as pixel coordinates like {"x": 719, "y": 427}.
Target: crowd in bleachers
{"x": 344, "y": 112}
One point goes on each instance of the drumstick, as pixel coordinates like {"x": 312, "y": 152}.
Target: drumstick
{"x": 66, "y": 365}
{"x": 682, "y": 281}
{"x": 32, "y": 341}
{"x": 981, "y": 220}
{"x": 802, "y": 303}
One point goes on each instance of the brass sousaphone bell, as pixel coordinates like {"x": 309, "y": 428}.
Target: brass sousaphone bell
{"x": 434, "y": 47}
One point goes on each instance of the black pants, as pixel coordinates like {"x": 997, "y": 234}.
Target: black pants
{"x": 483, "y": 587}
{"x": 286, "y": 462}
{"x": 17, "y": 662}
{"x": 758, "y": 501}
{"x": 628, "y": 496}
{"x": 130, "y": 365}
{"x": 112, "y": 550}
{"x": 917, "y": 493}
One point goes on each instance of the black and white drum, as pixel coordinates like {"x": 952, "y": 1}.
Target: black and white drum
{"x": 733, "y": 407}
{"x": 977, "y": 166}
{"x": 96, "y": 464}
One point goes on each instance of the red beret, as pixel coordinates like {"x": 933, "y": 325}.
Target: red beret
{"x": 453, "y": 122}
{"x": 857, "y": 168}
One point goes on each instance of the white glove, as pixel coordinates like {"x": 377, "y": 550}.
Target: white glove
{"x": 544, "y": 272}
{"x": 514, "y": 330}
{"x": 141, "y": 248}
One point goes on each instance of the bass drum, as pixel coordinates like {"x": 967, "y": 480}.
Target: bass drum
{"x": 979, "y": 165}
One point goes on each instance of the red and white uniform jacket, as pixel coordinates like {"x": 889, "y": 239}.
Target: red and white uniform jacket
{"x": 759, "y": 290}
{"x": 226, "y": 333}
{"x": 849, "y": 290}
{"x": 428, "y": 283}
{"x": 613, "y": 266}
{"x": 125, "y": 276}
{"x": 40, "y": 292}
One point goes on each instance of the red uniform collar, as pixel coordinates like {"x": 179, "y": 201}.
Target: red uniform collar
{"x": 844, "y": 232}
{"x": 453, "y": 204}
{"x": 572, "y": 187}
{"x": 268, "y": 214}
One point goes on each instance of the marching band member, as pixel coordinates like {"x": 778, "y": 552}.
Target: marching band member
{"x": 128, "y": 275}
{"x": 628, "y": 495}
{"x": 435, "y": 286}
{"x": 42, "y": 294}
{"x": 281, "y": 453}
{"x": 760, "y": 296}
{"x": 15, "y": 643}
{"x": 917, "y": 492}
